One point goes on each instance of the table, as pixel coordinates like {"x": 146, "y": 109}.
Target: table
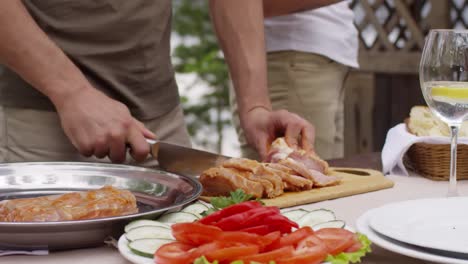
{"x": 348, "y": 209}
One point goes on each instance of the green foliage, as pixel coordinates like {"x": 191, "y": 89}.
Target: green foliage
{"x": 220, "y": 202}
{"x": 237, "y": 196}
{"x": 200, "y": 54}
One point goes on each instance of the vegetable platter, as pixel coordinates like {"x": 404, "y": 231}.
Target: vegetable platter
{"x": 234, "y": 230}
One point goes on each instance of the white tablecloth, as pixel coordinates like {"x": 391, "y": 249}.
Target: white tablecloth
{"x": 348, "y": 209}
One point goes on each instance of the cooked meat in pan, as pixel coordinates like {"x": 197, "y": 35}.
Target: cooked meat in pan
{"x": 105, "y": 202}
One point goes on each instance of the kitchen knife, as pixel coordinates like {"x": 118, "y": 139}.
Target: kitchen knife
{"x": 183, "y": 160}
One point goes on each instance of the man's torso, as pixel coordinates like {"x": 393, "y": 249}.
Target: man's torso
{"x": 121, "y": 46}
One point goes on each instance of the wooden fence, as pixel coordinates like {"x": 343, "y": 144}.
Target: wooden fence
{"x": 381, "y": 93}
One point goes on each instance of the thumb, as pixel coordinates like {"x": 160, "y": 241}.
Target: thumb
{"x": 145, "y": 131}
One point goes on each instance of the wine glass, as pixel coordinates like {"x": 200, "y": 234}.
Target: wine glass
{"x": 443, "y": 73}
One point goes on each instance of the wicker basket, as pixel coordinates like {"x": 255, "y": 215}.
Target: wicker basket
{"x": 433, "y": 160}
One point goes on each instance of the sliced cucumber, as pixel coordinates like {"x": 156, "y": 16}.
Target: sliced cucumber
{"x": 196, "y": 209}
{"x": 143, "y": 232}
{"x": 178, "y": 217}
{"x": 316, "y": 217}
{"x": 295, "y": 215}
{"x": 147, "y": 247}
{"x": 144, "y": 222}
{"x": 330, "y": 224}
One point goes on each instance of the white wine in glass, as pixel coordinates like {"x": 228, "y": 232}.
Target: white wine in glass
{"x": 443, "y": 73}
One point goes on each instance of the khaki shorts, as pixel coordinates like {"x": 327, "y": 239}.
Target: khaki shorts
{"x": 311, "y": 86}
{"x": 33, "y": 135}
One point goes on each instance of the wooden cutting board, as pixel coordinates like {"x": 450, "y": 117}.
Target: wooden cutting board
{"x": 354, "y": 181}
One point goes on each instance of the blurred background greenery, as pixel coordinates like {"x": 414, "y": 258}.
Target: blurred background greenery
{"x": 197, "y": 54}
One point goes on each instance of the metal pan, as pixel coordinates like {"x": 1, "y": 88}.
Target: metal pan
{"x": 156, "y": 193}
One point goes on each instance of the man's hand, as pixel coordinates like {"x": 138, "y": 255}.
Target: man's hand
{"x": 97, "y": 125}
{"x": 263, "y": 126}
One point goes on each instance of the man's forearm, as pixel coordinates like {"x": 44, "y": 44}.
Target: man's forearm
{"x": 239, "y": 26}
{"x": 282, "y": 7}
{"x": 27, "y": 50}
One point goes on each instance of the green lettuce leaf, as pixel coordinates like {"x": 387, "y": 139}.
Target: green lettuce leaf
{"x": 353, "y": 257}
{"x": 237, "y": 196}
{"x": 203, "y": 260}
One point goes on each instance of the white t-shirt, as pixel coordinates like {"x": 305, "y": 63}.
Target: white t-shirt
{"x": 328, "y": 31}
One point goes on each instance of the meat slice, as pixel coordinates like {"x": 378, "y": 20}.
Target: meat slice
{"x": 319, "y": 179}
{"x": 268, "y": 188}
{"x": 280, "y": 150}
{"x": 220, "y": 181}
{"x": 272, "y": 177}
{"x": 310, "y": 160}
{"x": 272, "y": 183}
{"x": 280, "y": 167}
{"x": 243, "y": 164}
{"x": 322, "y": 180}
{"x": 291, "y": 182}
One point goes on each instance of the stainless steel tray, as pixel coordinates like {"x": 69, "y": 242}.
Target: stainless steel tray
{"x": 156, "y": 193}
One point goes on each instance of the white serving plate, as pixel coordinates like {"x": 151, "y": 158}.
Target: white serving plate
{"x": 438, "y": 223}
{"x": 363, "y": 227}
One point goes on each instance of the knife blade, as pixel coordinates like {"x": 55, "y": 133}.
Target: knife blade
{"x": 183, "y": 160}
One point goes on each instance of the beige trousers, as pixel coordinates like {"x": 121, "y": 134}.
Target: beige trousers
{"x": 33, "y": 135}
{"x": 311, "y": 86}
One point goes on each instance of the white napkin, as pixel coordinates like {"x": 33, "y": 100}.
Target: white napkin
{"x": 398, "y": 141}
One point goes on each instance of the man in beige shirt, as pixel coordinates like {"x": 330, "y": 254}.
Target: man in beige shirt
{"x": 86, "y": 78}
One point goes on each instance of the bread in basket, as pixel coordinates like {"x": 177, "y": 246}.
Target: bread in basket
{"x": 433, "y": 160}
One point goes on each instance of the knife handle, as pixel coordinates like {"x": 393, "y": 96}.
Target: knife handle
{"x": 153, "y": 146}
{"x": 151, "y": 141}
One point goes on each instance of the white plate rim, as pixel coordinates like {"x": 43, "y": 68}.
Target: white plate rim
{"x": 362, "y": 225}
{"x": 377, "y": 225}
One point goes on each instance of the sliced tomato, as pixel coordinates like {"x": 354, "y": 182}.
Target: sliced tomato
{"x": 228, "y": 211}
{"x": 280, "y": 223}
{"x": 244, "y": 219}
{"x": 248, "y": 238}
{"x": 355, "y": 246}
{"x": 293, "y": 238}
{"x": 303, "y": 258}
{"x": 312, "y": 245}
{"x": 311, "y": 241}
{"x": 259, "y": 230}
{"x": 174, "y": 253}
{"x": 337, "y": 240}
{"x": 257, "y": 216}
{"x": 203, "y": 250}
{"x": 269, "y": 239}
{"x": 195, "y": 233}
{"x": 233, "y": 252}
{"x": 269, "y": 255}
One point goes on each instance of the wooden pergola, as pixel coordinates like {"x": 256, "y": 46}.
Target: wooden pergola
{"x": 381, "y": 93}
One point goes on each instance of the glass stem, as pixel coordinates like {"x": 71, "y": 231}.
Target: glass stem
{"x": 452, "y": 191}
